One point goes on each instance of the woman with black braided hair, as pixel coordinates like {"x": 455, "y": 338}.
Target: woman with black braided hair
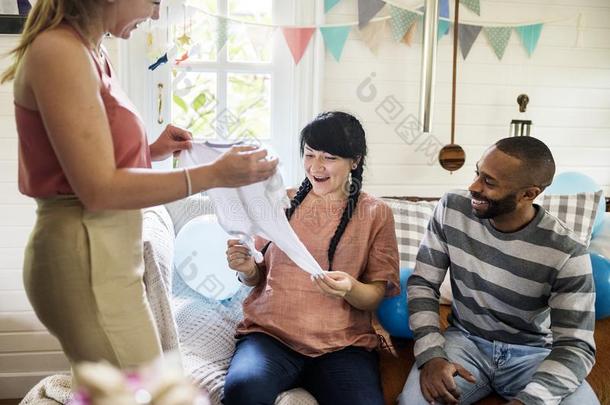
{"x": 317, "y": 333}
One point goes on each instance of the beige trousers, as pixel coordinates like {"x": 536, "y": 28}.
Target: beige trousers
{"x": 83, "y": 275}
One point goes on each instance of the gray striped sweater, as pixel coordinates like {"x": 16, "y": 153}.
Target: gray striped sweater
{"x": 530, "y": 287}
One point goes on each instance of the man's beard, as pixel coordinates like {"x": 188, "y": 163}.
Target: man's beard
{"x": 495, "y": 208}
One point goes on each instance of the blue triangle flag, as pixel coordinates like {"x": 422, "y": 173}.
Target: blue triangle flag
{"x": 443, "y": 11}
{"x": 529, "y": 36}
{"x": 328, "y": 4}
{"x": 443, "y": 8}
{"x": 443, "y": 28}
{"x": 334, "y": 38}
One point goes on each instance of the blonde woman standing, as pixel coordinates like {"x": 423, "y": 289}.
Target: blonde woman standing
{"x": 84, "y": 157}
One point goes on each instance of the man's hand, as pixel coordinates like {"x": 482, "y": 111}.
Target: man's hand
{"x": 437, "y": 383}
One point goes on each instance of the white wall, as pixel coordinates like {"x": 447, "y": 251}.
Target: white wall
{"x": 568, "y": 86}
{"x": 27, "y": 351}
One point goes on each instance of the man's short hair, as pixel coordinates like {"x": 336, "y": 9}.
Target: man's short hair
{"x": 538, "y": 165}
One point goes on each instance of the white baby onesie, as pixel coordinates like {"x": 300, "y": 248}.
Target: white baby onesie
{"x": 255, "y": 209}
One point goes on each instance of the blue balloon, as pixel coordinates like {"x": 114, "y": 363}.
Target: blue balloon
{"x": 393, "y": 312}
{"x": 601, "y": 277}
{"x": 201, "y": 261}
{"x": 575, "y": 182}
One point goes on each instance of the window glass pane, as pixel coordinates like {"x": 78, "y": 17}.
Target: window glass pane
{"x": 194, "y": 102}
{"x": 249, "y": 105}
{"x": 192, "y": 27}
{"x": 246, "y": 42}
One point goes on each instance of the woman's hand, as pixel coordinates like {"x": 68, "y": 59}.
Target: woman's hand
{"x": 242, "y": 165}
{"x": 172, "y": 140}
{"x": 363, "y": 296}
{"x": 335, "y": 283}
{"x": 240, "y": 259}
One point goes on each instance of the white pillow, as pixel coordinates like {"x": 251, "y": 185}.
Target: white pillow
{"x": 576, "y": 211}
{"x": 411, "y": 220}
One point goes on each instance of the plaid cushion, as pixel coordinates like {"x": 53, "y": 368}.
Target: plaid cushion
{"x": 411, "y": 219}
{"x": 576, "y": 211}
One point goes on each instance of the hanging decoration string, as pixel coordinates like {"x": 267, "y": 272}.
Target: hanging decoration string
{"x": 355, "y": 23}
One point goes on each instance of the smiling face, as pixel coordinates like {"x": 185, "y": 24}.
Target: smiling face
{"x": 496, "y": 190}
{"x": 327, "y": 173}
{"x": 124, "y": 16}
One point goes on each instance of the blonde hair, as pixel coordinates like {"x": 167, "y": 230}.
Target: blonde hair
{"x": 46, "y": 15}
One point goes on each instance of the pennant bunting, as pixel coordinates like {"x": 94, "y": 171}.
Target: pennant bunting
{"x": 408, "y": 38}
{"x": 467, "y": 35}
{"x": 443, "y": 11}
{"x": 24, "y": 7}
{"x": 372, "y": 35}
{"x": 367, "y": 10}
{"x": 260, "y": 37}
{"x": 472, "y": 5}
{"x": 297, "y": 40}
{"x": 403, "y": 24}
{"x": 328, "y": 4}
{"x": 334, "y": 38}
{"x": 529, "y": 36}
{"x": 443, "y": 8}
{"x": 222, "y": 33}
{"x": 443, "y": 28}
{"x": 498, "y": 38}
{"x": 401, "y": 20}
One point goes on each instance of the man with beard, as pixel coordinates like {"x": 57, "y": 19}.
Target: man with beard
{"x": 522, "y": 317}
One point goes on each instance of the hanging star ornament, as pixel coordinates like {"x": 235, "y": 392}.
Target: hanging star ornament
{"x": 184, "y": 39}
{"x": 149, "y": 40}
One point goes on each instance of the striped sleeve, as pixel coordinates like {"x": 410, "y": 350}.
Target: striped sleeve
{"x": 423, "y": 290}
{"x": 572, "y": 356}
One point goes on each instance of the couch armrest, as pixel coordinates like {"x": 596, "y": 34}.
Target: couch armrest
{"x": 158, "y": 239}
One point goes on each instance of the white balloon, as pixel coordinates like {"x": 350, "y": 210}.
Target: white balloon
{"x": 200, "y": 258}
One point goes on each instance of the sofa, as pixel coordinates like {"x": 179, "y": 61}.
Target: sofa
{"x": 206, "y": 328}
{"x": 202, "y": 329}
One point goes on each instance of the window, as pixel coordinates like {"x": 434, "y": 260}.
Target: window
{"x": 251, "y": 88}
{"x": 224, "y": 89}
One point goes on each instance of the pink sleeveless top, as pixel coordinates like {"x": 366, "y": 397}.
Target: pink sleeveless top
{"x": 40, "y": 173}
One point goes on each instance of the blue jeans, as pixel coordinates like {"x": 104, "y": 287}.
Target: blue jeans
{"x": 500, "y": 367}
{"x": 262, "y": 367}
